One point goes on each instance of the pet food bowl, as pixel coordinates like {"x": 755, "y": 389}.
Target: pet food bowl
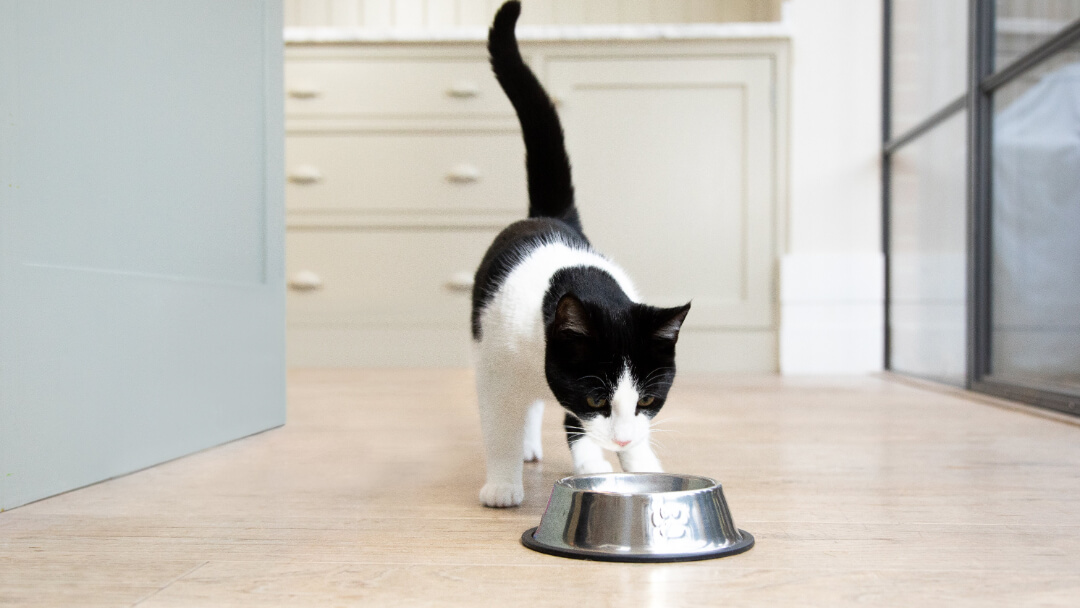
{"x": 637, "y": 517}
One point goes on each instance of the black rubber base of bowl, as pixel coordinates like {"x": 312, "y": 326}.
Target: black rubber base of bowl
{"x": 527, "y": 539}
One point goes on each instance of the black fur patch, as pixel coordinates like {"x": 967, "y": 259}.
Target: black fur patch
{"x": 551, "y": 191}
{"x": 510, "y": 247}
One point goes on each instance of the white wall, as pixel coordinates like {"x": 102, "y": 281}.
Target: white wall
{"x": 832, "y": 270}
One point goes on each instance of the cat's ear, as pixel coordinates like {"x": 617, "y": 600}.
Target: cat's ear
{"x": 571, "y": 317}
{"x": 669, "y": 322}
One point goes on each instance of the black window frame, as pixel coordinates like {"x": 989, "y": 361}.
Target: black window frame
{"x": 983, "y": 81}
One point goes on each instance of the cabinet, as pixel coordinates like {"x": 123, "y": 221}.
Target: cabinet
{"x": 404, "y": 160}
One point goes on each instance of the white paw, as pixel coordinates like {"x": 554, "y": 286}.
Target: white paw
{"x": 642, "y": 465}
{"x": 640, "y": 462}
{"x": 533, "y": 451}
{"x": 592, "y": 466}
{"x": 501, "y": 494}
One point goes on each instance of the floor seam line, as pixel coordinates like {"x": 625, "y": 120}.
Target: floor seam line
{"x": 169, "y": 584}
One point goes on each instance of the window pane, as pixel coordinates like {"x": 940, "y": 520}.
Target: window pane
{"x": 929, "y": 58}
{"x": 1021, "y": 25}
{"x": 1035, "y": 265}
{"x": 927, "y": 256}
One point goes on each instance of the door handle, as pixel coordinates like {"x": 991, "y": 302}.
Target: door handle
{"x": 460, "y": 282}
{"x": 305, "y": 280}
{"x": 463, "y": 174}
{"x": 305, "y": 174}
{"x": 304, "y": 91}
{"x": 464, "y": 89}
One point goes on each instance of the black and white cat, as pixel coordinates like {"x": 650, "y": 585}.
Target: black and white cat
{"x": 552, "y": 318}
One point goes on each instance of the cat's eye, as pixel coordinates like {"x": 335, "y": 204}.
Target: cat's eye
{"x": 646, "y": 401}
{"x": 597, "y": 403}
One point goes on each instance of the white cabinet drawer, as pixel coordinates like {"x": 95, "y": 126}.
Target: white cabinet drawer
{"x": 406, "y": 172}
{"x": 387, "y": 278}
{"x": 375, "y": 87}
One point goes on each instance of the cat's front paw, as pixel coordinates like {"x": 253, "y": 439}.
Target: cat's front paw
{"x": 590, "y": 467}
{"x": 534, "y": 452}
{"x": 640, "y": 460}
{"x": 648, "y": 464}
{"x": 501, "y": 495}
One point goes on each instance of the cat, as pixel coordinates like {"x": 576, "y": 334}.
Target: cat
{"x": 552, "y": 319}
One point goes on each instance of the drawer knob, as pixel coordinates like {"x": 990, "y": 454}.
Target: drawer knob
{"x": 305, "y": 280}
{"x": 460, "y": 282}
{"x": 463, "y": 174}
{"x": 463, "y": 89}
{"x": 304, "y": 91}
{"x": 305, "y": 174}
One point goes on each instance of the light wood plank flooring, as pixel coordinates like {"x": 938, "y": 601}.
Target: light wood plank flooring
{"x": 860, "y": 491}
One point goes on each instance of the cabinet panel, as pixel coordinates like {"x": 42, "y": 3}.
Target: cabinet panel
{"x": 379, "y": 86}
{"x": 674, "y": 172}
{"x": 406, "y": 172}
{"x": 405, "y": 160}
{"x": 388, "y": 278}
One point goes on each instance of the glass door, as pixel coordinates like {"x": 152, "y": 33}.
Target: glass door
{"x": 1032, "y": 260}
{"x": 982, "y": 195}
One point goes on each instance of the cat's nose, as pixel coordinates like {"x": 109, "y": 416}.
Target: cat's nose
{"x": 621, "y": 444}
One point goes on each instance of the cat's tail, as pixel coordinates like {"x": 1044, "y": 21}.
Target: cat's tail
{"x": 551, "y": 192}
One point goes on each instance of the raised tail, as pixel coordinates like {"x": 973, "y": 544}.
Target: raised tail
{"x": 551, "y": 192}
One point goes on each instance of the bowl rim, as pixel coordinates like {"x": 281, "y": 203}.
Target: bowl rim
{"x": 711, "y": 484}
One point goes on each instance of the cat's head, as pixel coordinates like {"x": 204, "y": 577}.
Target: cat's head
{"x": 612, "y": 368}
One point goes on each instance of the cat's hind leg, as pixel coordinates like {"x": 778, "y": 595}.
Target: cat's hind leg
{"x": 502, "y": 420}
{"x": 534, "y": 420}
{"x": 588, "y": 456}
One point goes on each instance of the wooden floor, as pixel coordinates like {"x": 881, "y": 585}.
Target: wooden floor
{"x": 860, "y": 491}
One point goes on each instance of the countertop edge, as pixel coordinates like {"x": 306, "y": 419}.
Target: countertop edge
{"x": 569, "y": 33}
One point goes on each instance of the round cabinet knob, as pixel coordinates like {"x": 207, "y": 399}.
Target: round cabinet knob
{"x": 460, "y": 282}
{"x": 305, "y": 280}
{"x": 463, "y": 174}
{"x": 305, "y": 174}
{"x": 304, "y": 91}
{"x": 464, "y": 89}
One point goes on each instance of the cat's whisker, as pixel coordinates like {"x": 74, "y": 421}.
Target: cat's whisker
{"x": 602, "y": 382}
{"x": 665, "y": 371}
{"x": 654, "y": 380}
{"x": 657, "y": 380}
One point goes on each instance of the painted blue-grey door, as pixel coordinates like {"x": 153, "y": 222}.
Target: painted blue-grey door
{"x": 141, "y": 234}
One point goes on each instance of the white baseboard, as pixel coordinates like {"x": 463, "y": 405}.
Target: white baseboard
{"x": 832, "y": 317}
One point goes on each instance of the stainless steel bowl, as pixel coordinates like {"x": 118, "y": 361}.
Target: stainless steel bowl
{"x": 637, "y": 517}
